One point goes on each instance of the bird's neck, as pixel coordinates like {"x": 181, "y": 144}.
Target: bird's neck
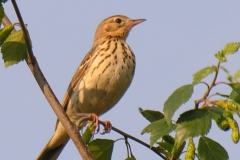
{"x": 102, "y": 40}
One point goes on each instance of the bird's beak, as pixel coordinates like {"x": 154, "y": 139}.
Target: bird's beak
{"x": 136, "y": 21}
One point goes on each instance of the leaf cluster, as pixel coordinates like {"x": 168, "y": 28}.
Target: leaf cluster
{"x": 197, "y": 122}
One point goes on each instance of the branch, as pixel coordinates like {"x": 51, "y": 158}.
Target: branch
{"x": 48, "y": 93}
{"x": 136, "y": 140}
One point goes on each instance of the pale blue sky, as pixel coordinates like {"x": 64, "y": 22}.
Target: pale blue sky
{"x": 178, "y": 39}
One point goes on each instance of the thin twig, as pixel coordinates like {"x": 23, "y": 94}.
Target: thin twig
{"x": 136, "y": 140}
{"x": 47, "y": 91}
{"x": 214, "y": 81}
{"x": 127, "y": 146}
{"x": 205, "y": 84}
{"x": 221, "y": 83}
{"x": 209, "y": 88}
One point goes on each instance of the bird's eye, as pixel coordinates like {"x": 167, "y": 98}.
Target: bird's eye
{"x": 118, "y": 20}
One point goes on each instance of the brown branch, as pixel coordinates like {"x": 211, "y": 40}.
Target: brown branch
{"x": 48, "y": 93}
{"x": 136, "y": 140}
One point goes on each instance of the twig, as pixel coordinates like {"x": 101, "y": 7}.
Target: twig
{"x": 48, "y": 93}
{"x": 205, "y": 84}
{"x": 136, "y": 140}
{"x": 209, "y": 88}
{"x": 221, "y": 83}
{"x": 214, "y": 81}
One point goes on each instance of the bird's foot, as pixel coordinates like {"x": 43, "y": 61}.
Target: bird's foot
{"x": 86, "y": 117}
{"x": 91, "y": 116}
{"x": 107, "y": 127}
{"x": 96, "y": 122}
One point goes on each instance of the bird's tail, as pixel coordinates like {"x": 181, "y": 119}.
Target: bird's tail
{"x": 55, "y": 145}
{"x": 51, "y": 154}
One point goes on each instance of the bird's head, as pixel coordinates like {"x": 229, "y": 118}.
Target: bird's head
{"x": 115, "y": 26}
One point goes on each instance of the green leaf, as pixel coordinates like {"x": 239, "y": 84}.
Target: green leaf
{"x": 158, "y": 129}
{"x": 88, "y": 133}
{"x": 178, "y": 98}
{"x": 209, "y": 149}
{"x": 5, "y": 32}
{"x": 221, "y": 56}
{"x": 101, "y": 149}
{"x": 151, "y": 115}
{"x": 169, "y": 139}
{"x": 215, "y": 112}
{"x": 191, "y": 124}
{"x": 231, "y": 48}
{"x": 14, "y": 49}
{"x": 235, "y": 94}
{"x": 165, "y": 146}
{"x": 237, "y": 75}
{"x": 197, "y": 77}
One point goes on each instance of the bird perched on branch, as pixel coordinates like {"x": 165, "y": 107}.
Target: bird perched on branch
{"x": 100, "y": 81}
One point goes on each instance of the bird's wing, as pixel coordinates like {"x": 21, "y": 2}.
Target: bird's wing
{"x": 78, "y": 75}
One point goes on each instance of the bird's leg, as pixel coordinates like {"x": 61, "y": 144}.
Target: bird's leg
{"x": 86, "y": 117}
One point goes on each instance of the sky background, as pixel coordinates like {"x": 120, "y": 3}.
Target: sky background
{"x": 178, "y": 39}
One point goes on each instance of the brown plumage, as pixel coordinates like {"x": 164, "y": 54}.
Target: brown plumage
{"x": 101, "y": 79}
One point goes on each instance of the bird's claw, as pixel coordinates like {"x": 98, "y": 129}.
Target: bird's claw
{"x": 107, "y": 127}
{"x": 95, "y": 119}
{"x": 96, "y": 122}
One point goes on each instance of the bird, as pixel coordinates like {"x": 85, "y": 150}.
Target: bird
{"x": 100, "y": 81}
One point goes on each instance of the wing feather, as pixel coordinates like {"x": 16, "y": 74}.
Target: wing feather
{"x": 78, "y": 75}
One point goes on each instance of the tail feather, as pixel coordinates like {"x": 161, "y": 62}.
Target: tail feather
{"x": 51, "y": 154}
{"x": 55, "y": 145}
